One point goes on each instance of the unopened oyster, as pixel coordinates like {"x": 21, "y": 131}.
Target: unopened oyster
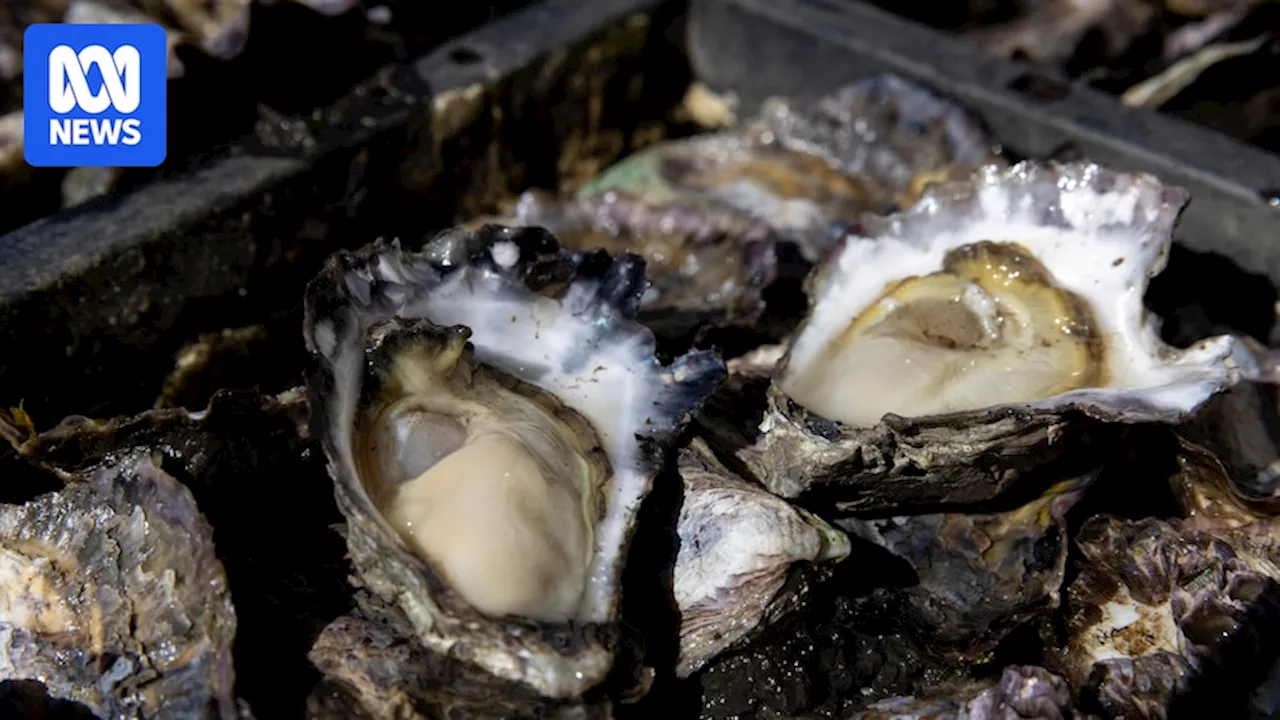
{"x": 112, "y": 596}
{"x": 1022, "y": 693}
{"x": 740, "y": 552}
{"x": 492, "y": 414}
{"x": 978, "y": 576}
{"x": 996, "y": 326}
{"x": 1163, "y": 619}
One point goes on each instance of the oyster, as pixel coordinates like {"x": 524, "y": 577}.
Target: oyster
{"x": 740, "y": 552}
{"x": 492, "y": 413}
{"x": 113, "y": 598}
{"x": 1022, "y": 692}
{"x": 1163, "y": 618}
{"x": 1014, "y": 300}
{"x": 978, "y": 576}
{"x": 286, "y": 570}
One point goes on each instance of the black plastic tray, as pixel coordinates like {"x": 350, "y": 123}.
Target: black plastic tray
{"x": 94, "y": 302}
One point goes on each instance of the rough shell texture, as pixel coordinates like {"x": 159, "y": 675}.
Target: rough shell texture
{"x": 558, "y": 321}
{"x": 375, "y": 667}
{"x": 1161, "y": 618}
{"x": 741, "y": 555}
{"x": 704, "y": 266}
{"x": 975, "y": 455}
{"x": 262, "y": 484}
{"x": 115, "y": 599}
{"x": 1022, "y": 693}
{"x": 979, "y": 576}
{"x": 807, "y": 169}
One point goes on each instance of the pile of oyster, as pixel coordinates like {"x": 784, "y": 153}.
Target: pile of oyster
{"x": 832, "y": 413}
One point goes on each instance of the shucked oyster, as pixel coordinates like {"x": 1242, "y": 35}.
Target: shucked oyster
{"x": 490, "y": 411}
{"x": 740, "y": 552}
{"x": 983, "y": 333}
{"x": 112, "y": 597}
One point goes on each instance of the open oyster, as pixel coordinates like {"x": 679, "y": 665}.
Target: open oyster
{"x": 740, "y": 557}
{"x": 113, "y": 598}
{"x": 978, "y": 576}
{"x": 996, "y": 326}
{"x": 492, "y": 413}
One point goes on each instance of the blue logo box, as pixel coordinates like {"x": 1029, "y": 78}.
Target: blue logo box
{"x": 94, "y": 95}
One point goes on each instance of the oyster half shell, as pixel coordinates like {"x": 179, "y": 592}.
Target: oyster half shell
{"x": 492, "y": 416}
{"x": 983, "y": 333}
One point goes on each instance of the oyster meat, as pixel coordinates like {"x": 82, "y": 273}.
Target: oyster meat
{"x": 740, "y": 557}
{"x": 493, "y": 417}
{"x": 994, "y": 328}
{"x": 113, "y": 598}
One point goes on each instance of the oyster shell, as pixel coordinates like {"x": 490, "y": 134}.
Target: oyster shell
{"x": 1015, "y": 300}
{"x": 285, "y": 565}
{"x": 741, "y": 550}
{"x": 1022, "y": 692}
{"x": 494, "y": 357}
{"x": 112, "y": 596}
{"x": 1163, "y": 618}
{"x": 978, "y": 576}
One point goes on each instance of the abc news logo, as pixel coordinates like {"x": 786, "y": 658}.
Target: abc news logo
{"x": 69, "y": 89}
{"x": 95, "y": 95}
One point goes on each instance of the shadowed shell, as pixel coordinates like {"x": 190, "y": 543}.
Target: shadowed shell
{"x": 1015, "y": 302}
{"x": 113, "y": 597}
{"x": 488, "y": 347}
{"x": 979, "y": 576}
{"x": 746, "y": 557}
{"x": 1162, "y": 618}
{"x": 1022, "y": 693}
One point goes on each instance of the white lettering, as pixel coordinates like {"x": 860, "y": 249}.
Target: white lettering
{"x": 132, "y": 131}
{"x": 59, "y": 132}
{"x": 105, "y": 131}
{"x": 80, "y": 131}
{"x": 69, "y": 87}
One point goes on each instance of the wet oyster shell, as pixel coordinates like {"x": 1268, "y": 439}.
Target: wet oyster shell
{"x": 1022, "y": 692}
{"x": 115, "y": 599}
{"x": 516, "y": 290}
{"x": 261, "y": 482}
{"x": 375, "y": 667}
{"x": 1162, "y": 618}
{"x": 746, "y": 557}
{"x": 971, "y": 456}
{"x": 979, "y": 576}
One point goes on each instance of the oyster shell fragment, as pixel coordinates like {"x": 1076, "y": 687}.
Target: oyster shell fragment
{"x": 985, "y": 332}
{"x": 1022, "y": 693}
{"x": 497, "y": 394}
{"x": 112, "y": 597}
{"x": 739, "y": 546}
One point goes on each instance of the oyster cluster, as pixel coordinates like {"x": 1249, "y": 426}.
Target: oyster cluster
{"x": 966, "y": 479}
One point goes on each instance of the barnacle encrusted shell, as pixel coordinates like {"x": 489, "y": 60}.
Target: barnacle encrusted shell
{"x": 111, "y": 595}
{"x": 994, "y": 327}
{"x": 742, "y": 558}
{"x": 979, "y": 576}
{"x": 398, "y": 336}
